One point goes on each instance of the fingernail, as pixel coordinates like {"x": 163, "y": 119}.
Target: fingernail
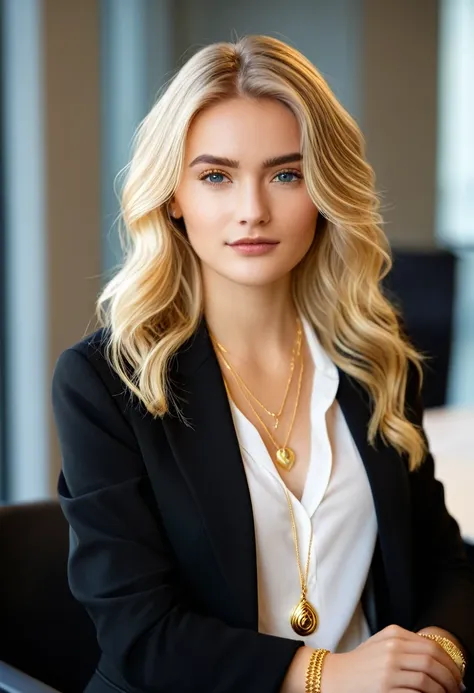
{"x": 462, "y": 687}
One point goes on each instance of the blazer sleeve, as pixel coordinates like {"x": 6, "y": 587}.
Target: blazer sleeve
{"x": 444, "y": 578}
{"x": 121, "y": 566}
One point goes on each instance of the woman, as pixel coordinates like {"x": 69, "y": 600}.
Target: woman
{"x": 252, "y": 501}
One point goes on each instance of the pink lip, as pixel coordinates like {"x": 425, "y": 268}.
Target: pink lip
{"x": 254, "y": 246}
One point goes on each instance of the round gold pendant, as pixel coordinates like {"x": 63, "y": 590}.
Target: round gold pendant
{"x": 286, "y": 458}
{"x": 304, "y": 619}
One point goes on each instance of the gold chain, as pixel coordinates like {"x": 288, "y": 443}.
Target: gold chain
{"x": 295, "y": 350}
{"x": 304, "y": 618}
{"x": 303, "y": 578}
{"x": 267, "y": 430}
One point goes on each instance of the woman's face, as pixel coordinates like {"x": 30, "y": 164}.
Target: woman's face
{"x": 244, "y": 202}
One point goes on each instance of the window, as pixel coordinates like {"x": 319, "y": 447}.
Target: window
{"x": 3, "y": 469}
{"x": 455, "y": 214}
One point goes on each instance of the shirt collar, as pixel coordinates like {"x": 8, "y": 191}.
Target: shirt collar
{"x": 322, "y": 362}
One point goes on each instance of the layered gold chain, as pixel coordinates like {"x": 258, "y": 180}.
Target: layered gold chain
{"x": 295, "y": 353}
{"x": 285, "y": 456}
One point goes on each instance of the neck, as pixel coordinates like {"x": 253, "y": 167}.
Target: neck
{"x": 253, "y": 323}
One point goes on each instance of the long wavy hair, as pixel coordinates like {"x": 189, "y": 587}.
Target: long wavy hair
{"x": 154, "y": 303}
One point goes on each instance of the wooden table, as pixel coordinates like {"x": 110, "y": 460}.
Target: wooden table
{"x": 450, "y": 432}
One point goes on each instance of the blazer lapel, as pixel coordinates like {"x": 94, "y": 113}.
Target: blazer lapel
{"x": 208, "y": 453}
{"x": 388, "y": 478}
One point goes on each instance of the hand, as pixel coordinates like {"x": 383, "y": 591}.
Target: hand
{"x": 392, "y": 661}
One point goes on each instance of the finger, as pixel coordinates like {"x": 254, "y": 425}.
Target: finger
{"x": 418, "y": 681}
{"x": 424, "y": 663}
{"x": 426, "y": 648}
{"x": 400, "y": 641}
{"x": 437, "y": 653}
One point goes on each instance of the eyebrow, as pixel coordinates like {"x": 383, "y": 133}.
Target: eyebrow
{"x": 232, "y": 163}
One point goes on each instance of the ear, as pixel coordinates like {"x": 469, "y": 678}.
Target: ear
{"x": 175, "y": 209}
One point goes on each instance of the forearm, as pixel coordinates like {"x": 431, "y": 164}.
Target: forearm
{"x": 295, "y": 678}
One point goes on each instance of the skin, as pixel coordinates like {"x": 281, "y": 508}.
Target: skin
{"x": 248, "y": 305}
{"x": 249, "y": 200}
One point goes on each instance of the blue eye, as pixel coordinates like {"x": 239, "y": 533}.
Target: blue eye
{"x": 288, "y": 176}
{"x": 217, "y": 178}
{"x": 213, "y": 178}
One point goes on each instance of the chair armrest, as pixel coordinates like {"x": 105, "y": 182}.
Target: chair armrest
{"x": 14, "y": 681}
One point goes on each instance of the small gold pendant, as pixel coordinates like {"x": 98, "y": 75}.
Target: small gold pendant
{"x": 286, "y": 458}
{"x": 304, "y": 619}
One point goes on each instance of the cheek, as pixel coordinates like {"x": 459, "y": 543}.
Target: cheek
{"x": 295, "y": 206}
{"x": 301, "y": 223}
{"x": 206, "y": 217}
{"x": 300, "y": 235}
{"x": 204, "y": 225}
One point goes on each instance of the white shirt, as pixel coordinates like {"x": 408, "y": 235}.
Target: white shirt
{"x": 337, "y": 506}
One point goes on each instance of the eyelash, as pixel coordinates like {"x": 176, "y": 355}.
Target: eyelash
{"x": 205, "y": 174}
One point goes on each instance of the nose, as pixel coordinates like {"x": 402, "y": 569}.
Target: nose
{"x": 253, "y": 207}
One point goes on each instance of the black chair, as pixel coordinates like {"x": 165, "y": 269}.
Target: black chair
{"x": 470, "y": 552}
{"x": 44, "y": 632}
{"x": 422, "y": 284}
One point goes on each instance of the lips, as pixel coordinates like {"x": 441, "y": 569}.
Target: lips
{"x": 254, "y": 247}
{"x": 254, "y": 241}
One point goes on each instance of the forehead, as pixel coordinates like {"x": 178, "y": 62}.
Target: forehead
{"x": 244, "y": 129}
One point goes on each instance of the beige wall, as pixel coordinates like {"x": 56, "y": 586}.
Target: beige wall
{"x": 399, "y": 97}
{"x": 72, "y": 123}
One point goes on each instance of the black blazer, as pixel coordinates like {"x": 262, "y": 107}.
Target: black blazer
{"x": 162, "y": 541}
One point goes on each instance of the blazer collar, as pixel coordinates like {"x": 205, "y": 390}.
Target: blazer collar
{"x": 207, "y": 451}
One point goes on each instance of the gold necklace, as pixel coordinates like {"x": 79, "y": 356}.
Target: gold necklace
{"x": 304, "y": 618}
{"x": 296, "y": 350}
{"x": 285, "y": 456}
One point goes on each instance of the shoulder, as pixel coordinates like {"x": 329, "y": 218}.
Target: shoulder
{"x": 93, "y": 409}
{"x": 89, "y": 399}
{"x": 85, "y": 365}
{"x": 92, "y": 347}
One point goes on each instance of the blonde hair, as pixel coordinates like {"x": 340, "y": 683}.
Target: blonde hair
{"x": 154, "y": 302}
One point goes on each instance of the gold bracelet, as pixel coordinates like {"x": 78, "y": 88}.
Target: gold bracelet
{"x": 314, "y": 671}
{"x": 450, "y": 648}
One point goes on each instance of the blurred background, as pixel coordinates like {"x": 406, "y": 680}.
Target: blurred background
{"x": 77, "y": 78}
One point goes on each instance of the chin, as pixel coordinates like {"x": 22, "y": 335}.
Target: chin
{"x": 257, "y": 277}
{"x": 252, "y": 272}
